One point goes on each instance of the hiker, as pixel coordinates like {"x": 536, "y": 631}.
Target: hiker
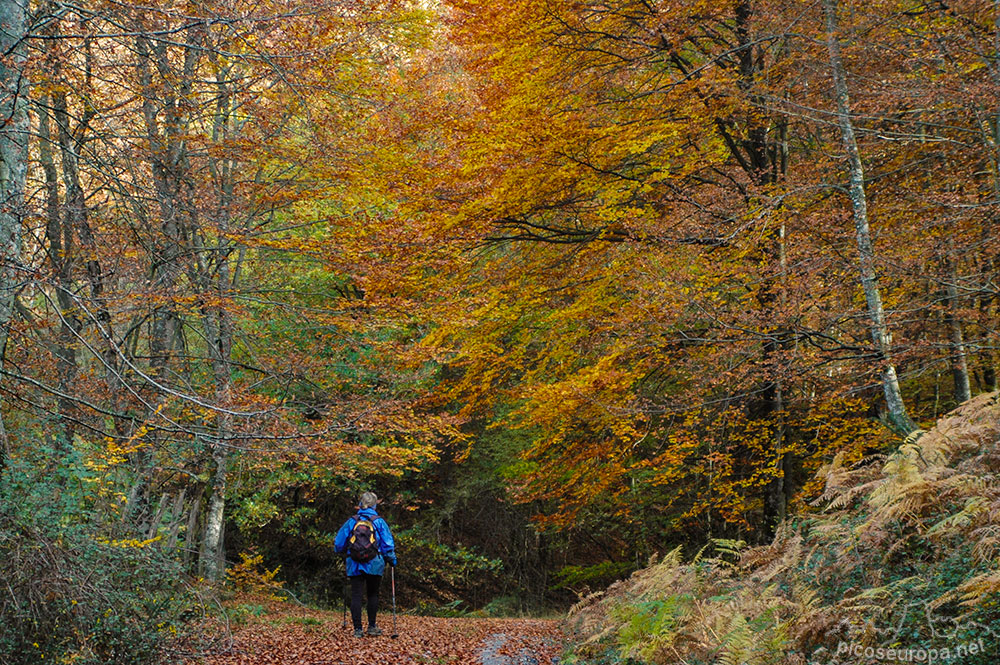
{"x": 368, "y": 544}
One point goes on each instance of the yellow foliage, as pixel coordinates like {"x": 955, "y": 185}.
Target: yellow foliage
{"x": 890, "y": 547}
{"x": 249, "y": 575}
{"x": 131, "y": 542}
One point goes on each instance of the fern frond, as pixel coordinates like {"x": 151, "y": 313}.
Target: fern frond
{"x": 737, "y": 643}
{"x": 956, "y": 523}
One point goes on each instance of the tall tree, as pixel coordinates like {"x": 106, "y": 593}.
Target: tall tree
{"x": 171, "y": 161}
{"x": 14, "y": 134}
{"x": 896, "y": 407}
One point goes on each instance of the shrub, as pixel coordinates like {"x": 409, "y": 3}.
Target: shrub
{"x": 72, "y": 594}
{"x": 250, "y": 576}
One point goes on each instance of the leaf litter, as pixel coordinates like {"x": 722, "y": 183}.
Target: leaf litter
{"x": 288, "y": 635}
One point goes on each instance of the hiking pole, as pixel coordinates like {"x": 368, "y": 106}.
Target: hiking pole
{"x": 392, "y": 576}
{"x": 343, "y": 595}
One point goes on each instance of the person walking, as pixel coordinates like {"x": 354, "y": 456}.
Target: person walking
{"x": 366, "y": 540}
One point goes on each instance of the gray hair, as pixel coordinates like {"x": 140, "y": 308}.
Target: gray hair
{"x": 367, "y": 500}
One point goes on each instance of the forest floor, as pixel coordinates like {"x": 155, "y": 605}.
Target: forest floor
{"x": 286, "y": 634}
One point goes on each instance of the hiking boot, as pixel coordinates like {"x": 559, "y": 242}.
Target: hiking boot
{"x": 373, "y": 631}
{"x": 358, "y": 632}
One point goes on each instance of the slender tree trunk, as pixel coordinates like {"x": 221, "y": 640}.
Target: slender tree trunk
{"x": 166, "y": 145}
{"x": 218, "y": 330}
{"x": 763, "y": 161}
{"x": 212, "y": 542}
{"x": 989, "y": 123}
{"x": 899, "y": 419}
{"x": 175, "y": 520}
{"x": 59, "y": 237}
{"x": 959, "y": 358}
{"x": 14, "y": 132}
{"x": 218, "y": 333}
{"x": 988, "y": 304}
{"x": 191, "y": 529}
{"x": 71, "y": 139}
{"x": 988, "y": 357}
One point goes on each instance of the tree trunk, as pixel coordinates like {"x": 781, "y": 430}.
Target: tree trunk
{"x": 989, "y": 124}
{"x": 166, "y": 146}
{"x": 175, "y": 520}
{"x": 191, "y": 529}
{"x": 959, "y": 358}
{"x": 898, "y": 419}
{"x": 14, "y": 132}
{"x": 218, "y": 333}
{"x": 59, "y": 252}
{"x": 764, "y": 162}
{"x": 987, "y": 356}
{"x": 212, "y": 542}
{"x": 71, "y": 140}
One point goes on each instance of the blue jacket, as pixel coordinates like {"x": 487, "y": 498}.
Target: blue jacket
{"x": 386, "y": 545}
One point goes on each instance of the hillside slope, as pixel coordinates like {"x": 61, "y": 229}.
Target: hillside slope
{"x": 898, "y": 562}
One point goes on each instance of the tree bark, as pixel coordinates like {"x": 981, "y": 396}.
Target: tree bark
{"x": 898, "y": 419}
{"x": 169, "y": 167}
{"x": 59, "y": 237}
{"x": 766, "y": 162}
{"x": 959, "y": 357}
{"x": 14, "y": 132}
{"x": 191, "y": 529}
{"x": 987, "y": 356}
{"x": 218, "y": 330}
{"x": 71, "y": 139}
{"x": 212, "y": 542}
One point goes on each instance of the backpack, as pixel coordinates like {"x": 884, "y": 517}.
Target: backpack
{"x": 362, "y": 546}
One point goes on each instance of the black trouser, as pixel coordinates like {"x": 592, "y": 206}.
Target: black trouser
{"x": 359, "y": 585}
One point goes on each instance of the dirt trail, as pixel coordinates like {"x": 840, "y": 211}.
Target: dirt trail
{"x": 288, "y": 635}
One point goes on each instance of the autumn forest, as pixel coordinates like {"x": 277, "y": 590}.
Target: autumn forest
{"x": 569, "y": 284}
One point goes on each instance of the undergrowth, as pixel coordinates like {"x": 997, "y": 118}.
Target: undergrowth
{"x": 74, "y": 591}
{"x": 898, "y": 562}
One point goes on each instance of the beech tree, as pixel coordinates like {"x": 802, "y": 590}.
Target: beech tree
{"x": 170, "y": 159}
{"x": 600, "y": 248}
{"x": 859, "y": 205}
{"x": 13, "y": 167}
{"x": 650, "y": 192}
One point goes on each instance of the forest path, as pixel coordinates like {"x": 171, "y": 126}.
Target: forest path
{"x": 290, "y": 635}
